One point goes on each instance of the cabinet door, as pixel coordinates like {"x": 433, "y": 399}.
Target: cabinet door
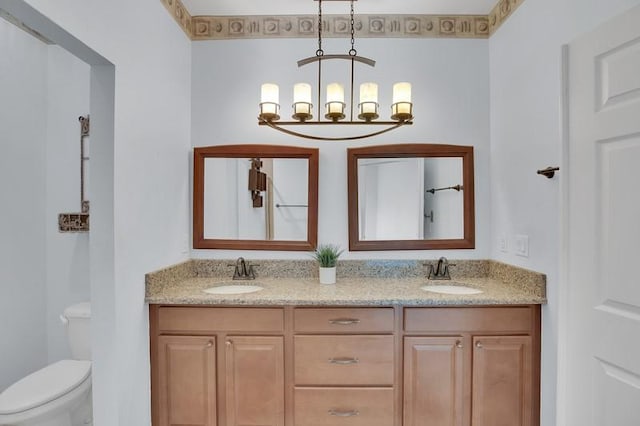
{"x": 254, "y": 381}
{"x": 433, "y": 381}
{"x": 187, "y": 380}
{"x": 502, "y": 381}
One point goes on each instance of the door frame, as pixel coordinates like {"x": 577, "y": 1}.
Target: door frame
{"x": 564, "y": 293}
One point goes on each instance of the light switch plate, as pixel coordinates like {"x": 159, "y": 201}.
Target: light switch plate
{"x": 503, "y": 246}
{"x": 522, "y": 245}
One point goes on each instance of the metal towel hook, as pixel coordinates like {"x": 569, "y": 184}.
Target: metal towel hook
{"x": 549, "y": 172}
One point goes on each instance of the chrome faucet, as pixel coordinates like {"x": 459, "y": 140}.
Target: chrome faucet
{"x": 243, "y": 271}
{"x": 441, "y": 271}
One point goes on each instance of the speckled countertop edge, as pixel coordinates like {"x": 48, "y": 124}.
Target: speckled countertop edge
{"x": 359, "y": 283}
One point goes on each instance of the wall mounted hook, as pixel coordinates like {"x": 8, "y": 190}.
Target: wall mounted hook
{"x": 549, "y": 172}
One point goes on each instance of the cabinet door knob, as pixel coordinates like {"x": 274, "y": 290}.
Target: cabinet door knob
{"x": 459, "y": 344}
{"x": 479, "y": 345}
{"x": 210, "y": 344}
{"x": 341, "y": 413}
{"x": 344, "y": 361}
{"x": 344, "y": 321}
{"x": 228, "y": 342}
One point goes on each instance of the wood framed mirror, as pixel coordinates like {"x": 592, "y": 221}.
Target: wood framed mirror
{"x": 411, "y": 197}
{"x": 255, "y": 197}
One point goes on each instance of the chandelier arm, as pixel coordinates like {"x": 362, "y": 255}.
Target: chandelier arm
{"x": 322, "y": 138}
{"x": 362, "y": 59}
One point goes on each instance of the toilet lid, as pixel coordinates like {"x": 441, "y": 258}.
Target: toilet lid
{"x": 44, "y": 385}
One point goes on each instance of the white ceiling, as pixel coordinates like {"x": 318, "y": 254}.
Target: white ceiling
{"x": 310, "y": 7}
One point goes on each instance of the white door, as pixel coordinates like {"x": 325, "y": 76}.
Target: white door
{"x": 600, "y": 364}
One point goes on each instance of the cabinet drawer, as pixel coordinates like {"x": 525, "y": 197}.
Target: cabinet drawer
{"x": 198, "y": 319}
{"x": 344, "y": 360}
{"x": 344, "y": 406}
{"x": 448, "y": 320}
{"x": 344, "y": 320}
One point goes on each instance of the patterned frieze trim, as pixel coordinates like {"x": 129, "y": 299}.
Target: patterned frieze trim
{"x": 180, "y": 14}
{"x": 501, "y": 12}
{"x": 337, "y": 26}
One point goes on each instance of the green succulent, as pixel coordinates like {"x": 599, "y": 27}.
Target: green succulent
{"x": 327, "y": 255}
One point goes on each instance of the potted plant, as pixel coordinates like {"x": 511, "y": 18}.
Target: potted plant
{"x": 327, "y": 257}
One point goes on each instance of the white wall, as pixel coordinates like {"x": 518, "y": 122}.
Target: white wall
{"x": 526, "y": 132}
{"x": 67, "y": 255}
{"x": 23, "y": 64}
{"x": 450, "y": 92}
{"x": 151, "y": 146}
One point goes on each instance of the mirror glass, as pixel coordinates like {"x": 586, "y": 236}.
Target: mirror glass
{"x": 416, "y": 196}
{"x": 257, "y": 197}
{"x": 230, "y": 207}
{"x": 410, "y": 198}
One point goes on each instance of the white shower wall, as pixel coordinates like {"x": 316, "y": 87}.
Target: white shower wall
{"x": 44, "y": 90}
{"x": 22, "y": 186}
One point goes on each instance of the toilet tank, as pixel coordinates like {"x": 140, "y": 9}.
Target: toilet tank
{"x": 78, "y": 323}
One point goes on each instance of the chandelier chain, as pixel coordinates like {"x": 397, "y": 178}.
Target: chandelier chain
{"x": 353, "y": 51}
{"x": 319, "y": 52}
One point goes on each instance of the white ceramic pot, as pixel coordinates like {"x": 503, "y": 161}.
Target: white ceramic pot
{"x": 328, "y": 275}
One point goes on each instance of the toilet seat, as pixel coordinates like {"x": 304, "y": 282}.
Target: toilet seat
{"x": 44, "y": 386}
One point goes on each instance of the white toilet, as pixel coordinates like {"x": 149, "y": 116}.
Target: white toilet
{"x": 60, "y": 393}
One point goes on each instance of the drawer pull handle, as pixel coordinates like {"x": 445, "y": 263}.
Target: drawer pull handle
{"x": 340, "y": 413}
{"x": 344, "y": 321}
{"x": 344, "y": 361}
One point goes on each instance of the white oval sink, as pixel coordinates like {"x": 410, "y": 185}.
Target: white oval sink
{"x": 451, "y": 289}
{"x": 233, "y": 289}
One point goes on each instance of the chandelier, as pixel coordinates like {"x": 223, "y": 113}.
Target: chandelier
{"x": 335, "y": 106}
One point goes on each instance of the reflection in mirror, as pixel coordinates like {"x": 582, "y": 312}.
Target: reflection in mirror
{"x": 257, "y": 197}
{"x": 234, "y": 209}
{"x": 412, "y": 196}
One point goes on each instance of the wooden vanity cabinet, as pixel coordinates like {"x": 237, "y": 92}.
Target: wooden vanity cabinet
{"x": 378, "y": 366}
{"x": 217, "y": 366}
{"x": 484, "y": 372}
{"x": 344, "y": 367}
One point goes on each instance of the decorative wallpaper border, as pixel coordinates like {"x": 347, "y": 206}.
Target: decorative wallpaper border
{"x": 180, "y": 14}
{"x": 501, "y": 12}
{"x": 208, "y": 27}
{"x": 334, "y": 26}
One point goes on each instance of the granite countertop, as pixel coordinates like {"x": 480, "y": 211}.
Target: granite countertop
{"x": 357, "y": 285}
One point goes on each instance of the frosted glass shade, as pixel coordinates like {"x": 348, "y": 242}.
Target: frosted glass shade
{"x": 269, "y": 101}
{"x": 302, "y": 101}
{"x": 335, "y": 102}
{"x": 302, "y": 93}
{"x": 402, "y": 106}
{"x": 368, "y": 101}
